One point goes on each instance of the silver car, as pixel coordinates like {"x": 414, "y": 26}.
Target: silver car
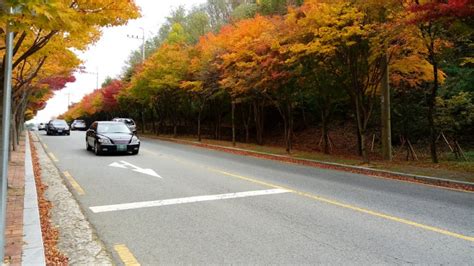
{"x": 129, "y": 122}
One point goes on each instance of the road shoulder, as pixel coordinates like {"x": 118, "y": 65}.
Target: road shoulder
{"x": 413, "y": 178}
{"x": 77, "y": 238}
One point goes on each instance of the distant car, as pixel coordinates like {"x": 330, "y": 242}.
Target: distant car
{"x": 111, "y": 136}
{"x": 78, "y": 125}
{"x": 42, "y": 126}
{"x": 58, "y": 127}
{"x": 129, "y": 122}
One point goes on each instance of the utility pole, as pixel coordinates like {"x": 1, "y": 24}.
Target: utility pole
{"x": 96, "y": 73}
{"x": 96, "y": 77}
{"x": 5, "y": 144}
{"x": 68, "y": 99}
{"x": 143, "y": 42}
{"x": 386, "y": 120}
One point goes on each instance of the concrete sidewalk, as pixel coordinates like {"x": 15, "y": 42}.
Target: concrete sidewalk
{"x": 23, "y": 238}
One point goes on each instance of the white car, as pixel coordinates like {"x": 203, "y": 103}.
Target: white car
{"x": 42, "y": 126}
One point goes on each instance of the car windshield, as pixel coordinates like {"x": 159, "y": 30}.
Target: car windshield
{"x": 112, "y": 128}
{"x": 59, "y": 123}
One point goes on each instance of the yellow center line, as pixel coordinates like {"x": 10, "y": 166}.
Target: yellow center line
{"x": 53, "y": 157}
{"x": 125, "y": 255}
{"x": 74, "y": 184}
{"x": 334, "y": 202}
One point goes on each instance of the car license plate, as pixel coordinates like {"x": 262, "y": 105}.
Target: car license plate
{"x": 60, "y": 131}
{"x": 121, "y": 147}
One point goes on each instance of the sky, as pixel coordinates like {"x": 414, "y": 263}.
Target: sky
{"x": 107, "y": 57}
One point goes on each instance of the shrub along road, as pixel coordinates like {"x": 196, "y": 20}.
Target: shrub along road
{"x": 174, "y": 203}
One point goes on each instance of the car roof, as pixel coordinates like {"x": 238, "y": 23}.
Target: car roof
{"x": 108, "y": 122}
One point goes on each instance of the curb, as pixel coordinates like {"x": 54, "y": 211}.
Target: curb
{"x": 77, "y": 256}
{"x": 441, "y": 182}
{"x": 33, "y": 248}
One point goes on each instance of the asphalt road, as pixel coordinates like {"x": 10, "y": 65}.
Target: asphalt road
{"x": 174, "y": 203}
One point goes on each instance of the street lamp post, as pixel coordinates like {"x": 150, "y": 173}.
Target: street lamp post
{"x": 5, "y": 148}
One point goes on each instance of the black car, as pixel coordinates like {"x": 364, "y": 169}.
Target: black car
{"x": 109, "y": 136}
{"x": 57, "y": 127}
{"x": 78, "y": 125}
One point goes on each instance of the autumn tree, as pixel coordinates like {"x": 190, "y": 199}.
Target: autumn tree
{"x": 433, "y": 19}
{"x": 58, "y": 26}
{"x": 110, "y": 92}
{"x": 50, "y": 68}
{"x": 202, "y": 82}
{"x": 160, "y": 79}
{"x": 78, "y": 23}
{"x": 243, "y": 65}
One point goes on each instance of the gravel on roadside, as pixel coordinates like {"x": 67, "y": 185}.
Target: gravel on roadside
{"x": 77, "y": 238}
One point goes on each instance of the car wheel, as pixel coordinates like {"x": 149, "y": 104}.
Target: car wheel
{"x": 96, "y": 149}
{"x": 88, "y": 147}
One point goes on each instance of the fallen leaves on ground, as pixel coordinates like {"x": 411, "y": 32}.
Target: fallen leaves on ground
{"x": 50, "y": 233}
{"x": 335, "y": 167}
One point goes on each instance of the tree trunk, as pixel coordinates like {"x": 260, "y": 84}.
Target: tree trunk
{"x": 199, "y": 125}
{"x": 325, "y": 132}
{"x": 13, "y": 132}
{"x": 247, "y": 133}
{"x": 246, "y": 121}
{"x": 289, "y": 130}
{"x": 217, "y": 129}
{"x": 285, "y": 129}
{"x": 142, "y": 114}
{"x": 431, "y": 111}
{"x": 258, "y": 116}
{"x": 233, "y": 123}
{"x": 20, "y": 121}
{"x": 359, "y": 140}
{"x": 361, "y": 130}
{"x": 386, "y": 121}
{"x": 153, "y": 122}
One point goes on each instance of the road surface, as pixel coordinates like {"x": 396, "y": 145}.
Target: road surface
{"x": 175, "y": 203}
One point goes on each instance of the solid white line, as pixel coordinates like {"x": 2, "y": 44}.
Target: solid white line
{"x": 157, "y": 203}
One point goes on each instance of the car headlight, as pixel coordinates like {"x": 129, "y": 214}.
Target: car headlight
{"x": 135, "y": 140}
{"x": 104, "y": 141}
{"x": 67, "y": 128}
